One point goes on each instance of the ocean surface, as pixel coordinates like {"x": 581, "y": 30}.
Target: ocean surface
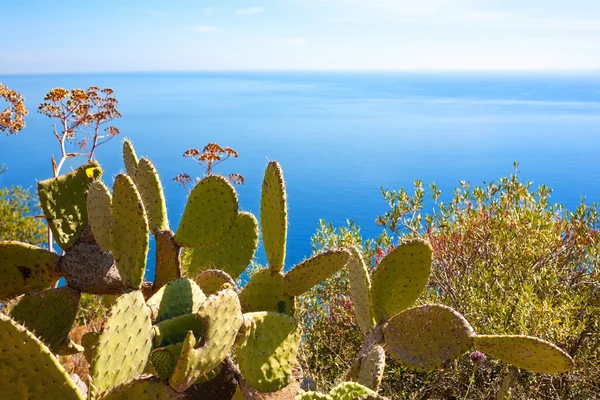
{"x": 339, "y": 137}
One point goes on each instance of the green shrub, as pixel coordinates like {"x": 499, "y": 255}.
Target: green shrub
{"x": 506, "y": 258}
{"x": 17, "y": 221}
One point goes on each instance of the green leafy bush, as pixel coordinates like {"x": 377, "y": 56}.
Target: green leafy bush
{"x": 17, "y": 221}
{"x": 506, "y": 258}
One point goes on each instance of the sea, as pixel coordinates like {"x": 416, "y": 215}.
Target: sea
{"x": 339, "y": 136}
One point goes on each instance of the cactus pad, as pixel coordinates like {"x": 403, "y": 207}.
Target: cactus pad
{"x": 209, "y": 214}
{"x": 232, "y": 254}
{"x": 312, "y": 271}
{"x": 273, "y": 216}
{"x": 168, "y": 265}
{"x": 174, "y": 330}
{"x": 49, "y": 315}
{"x": 89, "y": 341}
{"x": 28, "y": 369}
{"x": 266, "y": 352}
{"x": 178, "y": 297}
{"x": 124, "y": 344}
{"x": 143, "y": 388}
{"x": 212, "y": 280}
{"x": 264, "y": 292}
{"x": 89, "y": 269}
{"x": 349, "y": 391}
{"x": 221, "y": 316}
{"x": 533, "y": 354}
{"x": 313, "y": 396}
{"x": 129, "y": 158}
{"x": 25, "y": 268}
{"x": 130, "y": 232}
{"x": 369, "y": 370}
{"x": 63, "y": 200}
{"x": 360, "y": 291}
{"x": 163, "y": 361}
{"x": 99, "y": 208}
{"x": 400, "y": 278}
{"x": 427, "y": 337}
{"x": 148, "y": 184}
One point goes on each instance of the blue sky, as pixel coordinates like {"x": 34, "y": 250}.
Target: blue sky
{"x": 148, "y": 35}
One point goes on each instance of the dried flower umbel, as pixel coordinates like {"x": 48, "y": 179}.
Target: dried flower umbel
{"x": 209, "y": 158}
{"x": 12, "y": 119}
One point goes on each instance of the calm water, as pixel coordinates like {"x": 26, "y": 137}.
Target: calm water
{"x": 339, "y": 137}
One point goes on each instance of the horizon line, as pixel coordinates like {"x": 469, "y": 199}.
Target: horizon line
{"x": 309, "y": 71}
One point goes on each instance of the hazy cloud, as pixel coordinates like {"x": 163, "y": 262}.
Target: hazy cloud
{"x": 205, "y": 28}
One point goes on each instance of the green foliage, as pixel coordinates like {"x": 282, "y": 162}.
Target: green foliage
{"x": 505, "y": 257}
{"x": 17, "y": 222}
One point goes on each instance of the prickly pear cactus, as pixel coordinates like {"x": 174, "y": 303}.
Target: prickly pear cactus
{"x": 313, "y": 396}
{"x": 264, "y": 292}
{"x": 63, "y": 201}
{"x": 174, "y": 330}
{"x": 164, "y": 359}
{"x": 49, "y": 315}
{"x": 360, "y": 291}
{"x": 369, "y": 371}
{"x": 403, "y": 272}
{"x": 178, "y": 297}
{"x": 221, "y": 315}
{"x": 427, "y": 337}
{"x": 267, "y": 348}
{"x": 25, "y": 268}
{"x": 273, "y": 216}
{"x": 148, "y": 184}
{"x": 124, "y": 344}
{"x": 232, "y": 254}
{"x": 212, "y": 280}
{"x": 130, "y": 158}
{"x": 349, "y": 391}
{"x": 28, "y": 370}
{"x": 533, "y": 354}
{"x": 168, "y": 264}
{"x": 130, "y": 232}
{"x": 143, "y": 388}
{"x": 312, "y": 271}
{"x": 209, "y": 214}
{"x": 99, "y": 208}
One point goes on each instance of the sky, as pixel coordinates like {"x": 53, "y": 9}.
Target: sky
{"x": 41, "y": 36}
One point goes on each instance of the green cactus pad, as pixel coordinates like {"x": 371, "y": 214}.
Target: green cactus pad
{"x": 232, "y": 254}
{"x": 148, "y": 184}
{"x": 168, "y": 266}
{"x": 209, "y": 214}
{"x": 129, "y": 158}
{"x": 89, "y": 341}
{"x": 99, "y": 208}
{"x": 212, "y": 280}
{"x": 530, "y": 353}
{"x": 143, "y": 388}
{"x": 63, "y": 200}
{"x": 427, "y": 337}
{"x": 221, "y": 316}
{"x": 314, "y": 270}
{"x": 371, "y": 368}
{"x": 178, "y": 297}
{"x": 172, "y": 331}
{"x": 273, "y": 216}
{"x": 28, "y": 370}
{"x": 360, "y": 291}
{"x": 49, "y": 315}
{"x": 25, "y": 268}
{"x": 264, "y": 292}
{"x": 124, "y": 344}
{"x": 400, "y": 278}
{"x": 312, "y": 396}
{"x": 130, "y": 232}
{"x": 163, "y": 361}
{"x": 266, "y": 351}
{"x": 349, "y": 391}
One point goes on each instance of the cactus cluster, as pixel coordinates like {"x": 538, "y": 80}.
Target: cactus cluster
{"x": 192, "y": 332}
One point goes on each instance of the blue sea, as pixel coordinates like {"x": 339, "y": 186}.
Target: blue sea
{"x": 339, "y": 137}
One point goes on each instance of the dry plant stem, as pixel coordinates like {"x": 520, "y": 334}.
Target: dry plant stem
{"x": 509, "y": 380}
